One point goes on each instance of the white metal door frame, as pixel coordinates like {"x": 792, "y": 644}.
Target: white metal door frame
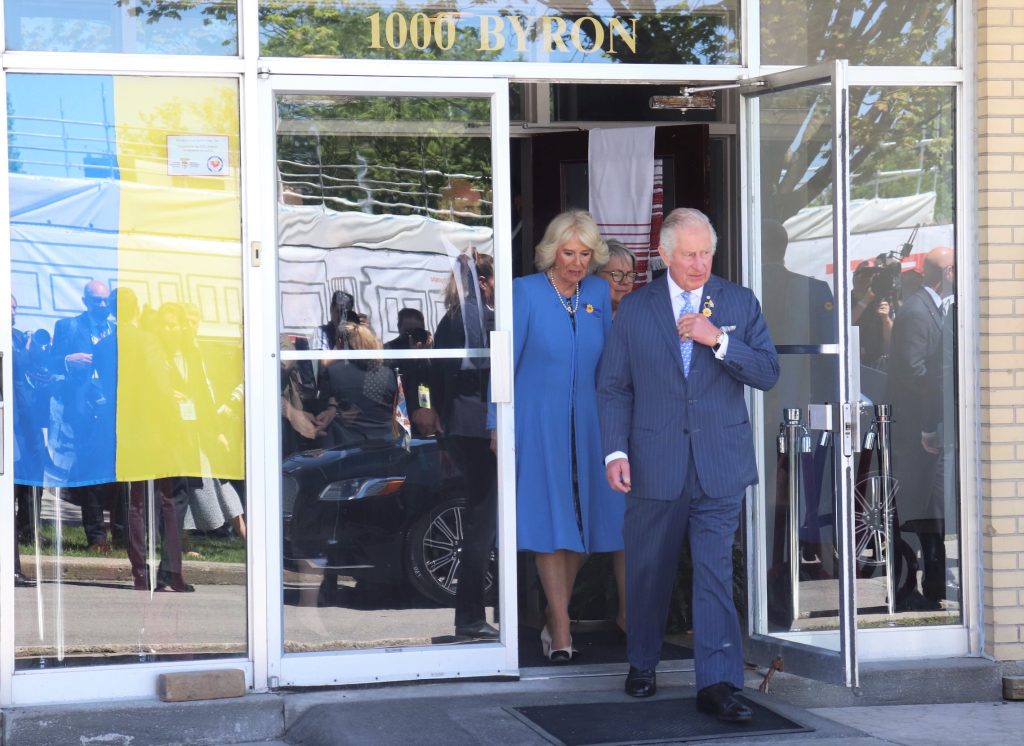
{"x": 804, "y": 654}
{"x": 440, "y": 662}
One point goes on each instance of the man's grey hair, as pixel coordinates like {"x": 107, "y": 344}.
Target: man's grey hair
{"x": 681, "y": 218}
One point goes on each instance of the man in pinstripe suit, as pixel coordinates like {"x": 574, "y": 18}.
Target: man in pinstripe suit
{"x": 679, "y": 445}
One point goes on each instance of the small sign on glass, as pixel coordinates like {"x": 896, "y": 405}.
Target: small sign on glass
{"x": 197, "y": 155}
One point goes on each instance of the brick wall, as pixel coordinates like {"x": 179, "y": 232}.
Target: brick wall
{"x": 1000, "y": 110}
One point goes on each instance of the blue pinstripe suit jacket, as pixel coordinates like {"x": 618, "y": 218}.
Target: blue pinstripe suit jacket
{"x": 655, "y": 414}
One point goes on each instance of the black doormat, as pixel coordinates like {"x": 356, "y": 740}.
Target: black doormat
{"x": 659, "y": 720}
{"x": 594, "y": 646}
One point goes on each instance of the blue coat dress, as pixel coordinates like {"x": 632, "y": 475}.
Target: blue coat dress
{"x": 556, "y": 398}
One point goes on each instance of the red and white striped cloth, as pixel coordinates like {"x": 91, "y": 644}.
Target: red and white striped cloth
{"x": 623, "y": 191}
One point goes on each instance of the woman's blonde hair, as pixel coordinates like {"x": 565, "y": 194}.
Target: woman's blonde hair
{"x": 576, "y": 224}
{"x": 359, "y": 336}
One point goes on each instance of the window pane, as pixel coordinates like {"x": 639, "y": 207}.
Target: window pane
{"x": 127, "y": 309}
{"x": 877, "y": 32}
{"x": 902, "y": 269}
{"x": 902, "y": 225}
{"x": 386, "y": 285}
{"x": 698, "y": 32}
{"x": 795, "y": 158}
{"x": 144, "y": 27}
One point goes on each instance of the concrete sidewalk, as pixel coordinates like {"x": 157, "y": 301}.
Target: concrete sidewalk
{"x": 937, "y": 702}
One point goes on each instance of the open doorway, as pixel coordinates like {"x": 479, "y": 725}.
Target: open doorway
{"x": 694, "y": 151}
{"x": 552, "y": 154}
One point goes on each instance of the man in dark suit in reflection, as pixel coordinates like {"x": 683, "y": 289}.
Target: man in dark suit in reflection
{"x": 917, "y": 392}
{"x": 679, "y": 445}
{"x": 83, "y": 431}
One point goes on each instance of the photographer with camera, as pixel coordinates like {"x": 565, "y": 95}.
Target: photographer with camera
{"x": 876, "y": 297}
{"x": 414, "y": 373}
{"x": 874, "y": 308}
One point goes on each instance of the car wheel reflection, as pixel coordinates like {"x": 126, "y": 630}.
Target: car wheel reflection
{"x": 876, "y": 528}
{"x": 381, "y": 514}
{"x": 434, "y": 549}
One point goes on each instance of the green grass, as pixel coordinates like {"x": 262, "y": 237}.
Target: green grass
{"x": 211, "y": 548}
{"x": 912, "y": 621}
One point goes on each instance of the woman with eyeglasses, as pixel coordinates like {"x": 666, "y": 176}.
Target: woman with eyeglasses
{"x": 619, "y": 272}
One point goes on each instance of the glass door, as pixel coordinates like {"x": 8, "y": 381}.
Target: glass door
{"x": 390, "y": 503}
{"x": 803, "y": 593}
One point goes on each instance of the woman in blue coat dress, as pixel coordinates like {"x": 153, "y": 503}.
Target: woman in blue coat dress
{"x": 565, "y": 509}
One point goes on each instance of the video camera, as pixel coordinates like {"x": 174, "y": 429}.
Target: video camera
{"x": 886, "y": 282}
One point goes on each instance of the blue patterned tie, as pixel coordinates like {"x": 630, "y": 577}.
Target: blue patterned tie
{"x": 686, "y": 345}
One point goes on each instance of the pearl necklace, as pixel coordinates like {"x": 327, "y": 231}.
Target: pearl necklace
{"x": 571, "y": 310}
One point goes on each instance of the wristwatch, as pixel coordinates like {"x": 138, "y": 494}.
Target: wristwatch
{"x": 718, "y": 341}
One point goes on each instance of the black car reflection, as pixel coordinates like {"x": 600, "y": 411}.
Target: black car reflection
{"x": 381, "y": 514}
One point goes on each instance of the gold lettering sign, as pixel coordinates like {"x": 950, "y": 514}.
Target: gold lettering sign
{"x": 552, "y": 33}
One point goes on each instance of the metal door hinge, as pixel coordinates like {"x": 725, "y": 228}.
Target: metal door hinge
{"x": 255, "y": 252}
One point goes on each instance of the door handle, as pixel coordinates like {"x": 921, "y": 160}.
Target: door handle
{"x": 843, "y": 419}
{"x": 501, "y": 367}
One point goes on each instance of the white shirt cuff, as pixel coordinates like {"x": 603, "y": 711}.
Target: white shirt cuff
{"x": 614, "y": 455}
{"x": 720, "y": 353}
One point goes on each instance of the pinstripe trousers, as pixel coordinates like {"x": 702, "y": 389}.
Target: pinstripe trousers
{"x": 653, "y": 533}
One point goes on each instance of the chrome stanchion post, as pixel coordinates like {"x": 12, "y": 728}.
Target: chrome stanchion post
{"x": 791, "y": 437}
{"x": 881, "y": 425}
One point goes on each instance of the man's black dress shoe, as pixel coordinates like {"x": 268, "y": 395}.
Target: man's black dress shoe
{"x": 719, "y": 700}
{"x": 22, "y": 581}
{"x": 641, "y": 682}
{"x": 479, "y": 630}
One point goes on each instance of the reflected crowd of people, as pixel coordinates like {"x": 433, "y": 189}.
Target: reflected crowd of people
{"x": 123, "y": 383}
{"x": 906, "y": 322}
{"x": 907, "y": 328}
{"x": 369, "y": 403}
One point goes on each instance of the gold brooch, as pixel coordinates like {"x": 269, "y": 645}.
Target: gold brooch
{"x": 708, "y": 306}
{"x": 589, "y": 308}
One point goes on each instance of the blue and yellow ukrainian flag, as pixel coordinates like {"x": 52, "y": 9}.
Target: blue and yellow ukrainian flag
{"x": 99, "y": 193}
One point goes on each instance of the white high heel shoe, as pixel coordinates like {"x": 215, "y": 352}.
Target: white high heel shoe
{"x": 558, "y": 655}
